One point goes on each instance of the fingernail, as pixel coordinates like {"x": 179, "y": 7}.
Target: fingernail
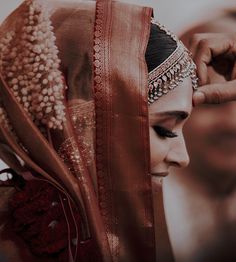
{"x": 198, "y": 98}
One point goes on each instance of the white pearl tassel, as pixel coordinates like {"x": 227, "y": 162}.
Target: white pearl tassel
{"x": 29, "y": 64}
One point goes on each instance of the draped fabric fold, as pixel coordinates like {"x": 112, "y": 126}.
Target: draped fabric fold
{"x": 121, "y": 131}
{"x": 92, "y": 144}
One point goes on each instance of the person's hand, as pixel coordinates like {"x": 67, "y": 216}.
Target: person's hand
{"x": 219, "y": 52}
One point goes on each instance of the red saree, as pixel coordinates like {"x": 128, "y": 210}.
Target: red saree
{"x": 97, "y": 158}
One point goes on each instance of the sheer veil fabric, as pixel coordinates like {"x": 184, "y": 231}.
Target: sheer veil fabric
{"x": 99, "y": 157}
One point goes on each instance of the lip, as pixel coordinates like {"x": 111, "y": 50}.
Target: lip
{"x": 160, "y": 174}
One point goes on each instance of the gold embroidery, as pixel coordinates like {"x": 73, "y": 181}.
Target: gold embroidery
{"x": 70, "y": 155}
{"x": 82, "y": 116}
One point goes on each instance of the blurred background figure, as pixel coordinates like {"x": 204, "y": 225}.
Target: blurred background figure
{"x": 200, "y": 201}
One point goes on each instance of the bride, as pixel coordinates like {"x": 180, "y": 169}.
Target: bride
{"x": 93, "y": 99}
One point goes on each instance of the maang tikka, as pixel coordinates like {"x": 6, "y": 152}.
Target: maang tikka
{"x": 171, "y": 72}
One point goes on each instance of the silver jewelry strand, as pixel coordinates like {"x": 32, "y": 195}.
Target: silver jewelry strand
{"x": 170, "y": 73}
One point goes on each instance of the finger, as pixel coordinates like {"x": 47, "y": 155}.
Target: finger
{"x": 233, "y": 75}
{"x": 193, "y": 43}
{"x": 207, "y": 50}
{"x": 202, "y": 60}
{"x": 217, "y": 42}
{"x": 215, "y": 93}
{"x": 205, "y": 38}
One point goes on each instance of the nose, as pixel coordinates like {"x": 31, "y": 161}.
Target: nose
{"x": 178, "y": 154}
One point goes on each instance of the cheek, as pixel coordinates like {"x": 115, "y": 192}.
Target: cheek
{"x": 158, "y": 148}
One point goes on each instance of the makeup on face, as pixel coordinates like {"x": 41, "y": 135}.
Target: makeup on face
{"x": 163, "y": 123}
{"x": 167, "y": 117}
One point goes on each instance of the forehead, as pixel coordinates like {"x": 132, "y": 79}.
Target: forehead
{"x": 178, "y": 99}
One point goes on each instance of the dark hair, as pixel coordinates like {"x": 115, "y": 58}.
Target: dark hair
{"x": 160, "y": 47}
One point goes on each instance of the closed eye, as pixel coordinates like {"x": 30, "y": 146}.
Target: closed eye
{"x": 164, "y": 132}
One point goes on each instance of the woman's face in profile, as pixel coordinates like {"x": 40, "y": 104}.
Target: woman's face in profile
{"x": 167, "y": 117}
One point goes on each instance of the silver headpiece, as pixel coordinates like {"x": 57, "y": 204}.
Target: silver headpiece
{"x": 170, "y": 73}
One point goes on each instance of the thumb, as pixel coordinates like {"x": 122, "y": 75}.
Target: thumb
{"x": 215, "y": 93}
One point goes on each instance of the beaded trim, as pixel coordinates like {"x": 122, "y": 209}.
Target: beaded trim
{"x": 162, "y": 27}
{"x": 6, "y": 124}
{"x": 170, "y": 73}
{"x": 4, "y": 119}
{"x": 30, "y": 66}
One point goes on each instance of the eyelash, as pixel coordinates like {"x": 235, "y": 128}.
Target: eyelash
{"x": 163, "y": 132}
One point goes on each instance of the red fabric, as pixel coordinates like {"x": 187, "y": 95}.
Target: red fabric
{"x": 38, "y": 218}
{"x": 114, "y": 192}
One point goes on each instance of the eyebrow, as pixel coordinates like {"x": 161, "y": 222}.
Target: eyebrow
{"x": 180, "y": 115}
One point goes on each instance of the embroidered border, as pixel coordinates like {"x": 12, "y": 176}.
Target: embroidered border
{"x": 102, "y": 102}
